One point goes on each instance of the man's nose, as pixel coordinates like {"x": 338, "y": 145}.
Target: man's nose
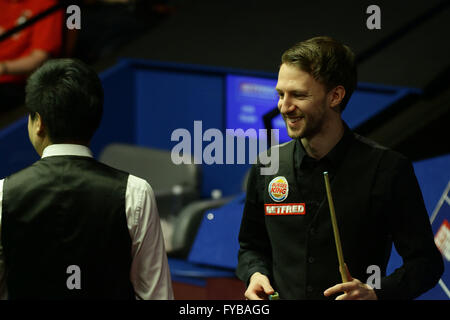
{"x": 285, "y": 105}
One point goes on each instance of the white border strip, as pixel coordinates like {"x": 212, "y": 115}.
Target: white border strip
{"x": 444, "y": 287}
{"x": 444, "y": 198}
{"x": 441, "y": 202}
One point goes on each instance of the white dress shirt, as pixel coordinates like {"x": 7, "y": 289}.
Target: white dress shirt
{"x": 149, "y": 273}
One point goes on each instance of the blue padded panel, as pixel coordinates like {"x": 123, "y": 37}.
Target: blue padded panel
{"x": 217, "y": 243}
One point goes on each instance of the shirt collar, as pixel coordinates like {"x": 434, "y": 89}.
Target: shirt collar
{"x": 66, "y": 150}
{"x": 334, "y": 156}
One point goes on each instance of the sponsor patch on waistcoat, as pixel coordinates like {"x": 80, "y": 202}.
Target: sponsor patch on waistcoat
{"x": 278, "y": 189}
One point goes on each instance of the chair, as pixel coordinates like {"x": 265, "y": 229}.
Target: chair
{"x": 187, "y": 222}
{"x": 174, "y": 186}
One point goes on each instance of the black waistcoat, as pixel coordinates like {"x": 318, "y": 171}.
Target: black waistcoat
{"x": 64, "y": 211}
{"x": 304, "y": 253}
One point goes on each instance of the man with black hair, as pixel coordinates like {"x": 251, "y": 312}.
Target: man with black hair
{"x": 286, "y": 237}
{"x": 67, "y": 212}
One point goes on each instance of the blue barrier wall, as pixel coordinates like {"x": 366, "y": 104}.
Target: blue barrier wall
{"x": 119, "y": 113}
{"x": 168, "y": 100}
{"x": 146, "y": 101}
{"x": 16, "y": 151}
{"x": 434, "y": 178}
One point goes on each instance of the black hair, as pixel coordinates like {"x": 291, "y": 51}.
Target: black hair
{"x": 68, "y": 95}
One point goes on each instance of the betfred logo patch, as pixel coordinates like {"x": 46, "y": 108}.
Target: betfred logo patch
{"x": 278, "y": 189}
{"x": 285, "y": 209}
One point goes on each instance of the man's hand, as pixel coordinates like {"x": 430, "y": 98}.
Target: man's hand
{"x": 353, "y": 290}
{"x": 259, "y": 287}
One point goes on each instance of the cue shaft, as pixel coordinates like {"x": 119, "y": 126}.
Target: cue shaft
{"x": 337, "y": 239}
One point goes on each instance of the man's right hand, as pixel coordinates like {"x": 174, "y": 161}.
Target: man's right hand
{"x": 259, "y": 287}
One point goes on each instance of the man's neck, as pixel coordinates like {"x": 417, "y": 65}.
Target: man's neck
{"x": 41, "y": 145}
{"x": 321, "y": 143}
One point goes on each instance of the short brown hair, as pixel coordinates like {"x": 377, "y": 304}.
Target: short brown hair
{"x": 327, "y": 61}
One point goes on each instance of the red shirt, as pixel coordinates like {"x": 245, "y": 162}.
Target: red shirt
{"x": 45, "y": 34}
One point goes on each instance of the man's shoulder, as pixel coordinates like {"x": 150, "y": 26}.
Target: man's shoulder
{"x": 21, "y": 172}
{"x": 63, "y": 165}
{"x": 375, "y": 150}
{"x": 133, "y": 181}
{"x": 107, "y": 167}
{"x": 137, "y": 183}
{"x": 369, "y": 143}
{"x": 284, "y": 146}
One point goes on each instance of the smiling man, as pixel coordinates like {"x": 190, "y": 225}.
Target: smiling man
{"x": 377, "y": 198}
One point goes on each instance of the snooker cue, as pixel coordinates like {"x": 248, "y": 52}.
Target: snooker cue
{"x": 337, "y": 239}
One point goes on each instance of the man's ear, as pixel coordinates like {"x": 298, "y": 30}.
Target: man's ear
{"x": 336, "y": 95}
{"x": 39, "y": 125}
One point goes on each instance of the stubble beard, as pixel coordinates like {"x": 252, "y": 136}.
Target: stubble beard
{"x": 309, "y": 128}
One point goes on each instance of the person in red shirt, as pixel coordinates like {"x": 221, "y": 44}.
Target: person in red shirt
{"x": 27, "y": 49}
